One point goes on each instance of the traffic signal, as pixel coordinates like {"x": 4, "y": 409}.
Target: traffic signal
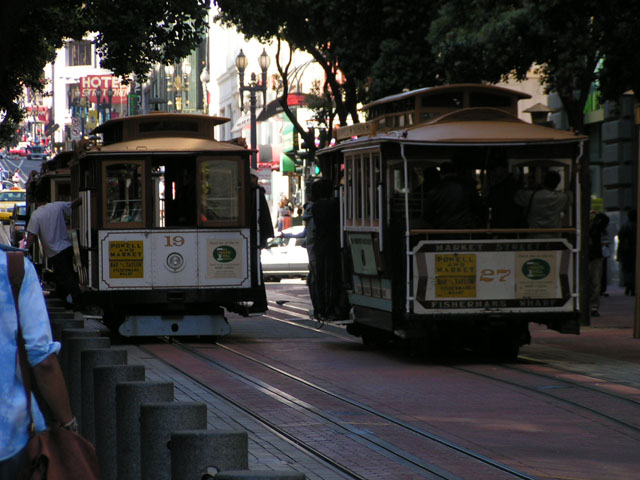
{"x": 315, "y": 169}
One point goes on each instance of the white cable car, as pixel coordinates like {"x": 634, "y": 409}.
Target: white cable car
{"x": 166, "y": 232}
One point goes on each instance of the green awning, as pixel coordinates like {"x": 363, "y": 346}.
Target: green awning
{"x": 287, "y": 164}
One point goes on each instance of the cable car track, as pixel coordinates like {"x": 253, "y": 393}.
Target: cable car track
{"x": 363, "y": 437}
{"x": 552, "y": 391}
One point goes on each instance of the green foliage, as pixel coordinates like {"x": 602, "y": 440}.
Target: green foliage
{"x": 383, "y": 46}
{"x": 132, "y": 37}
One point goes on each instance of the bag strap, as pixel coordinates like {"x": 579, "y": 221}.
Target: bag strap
{"x": 15, "y": 269}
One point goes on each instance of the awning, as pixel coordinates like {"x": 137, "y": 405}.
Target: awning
{"x": 269, "y": 156}
{"x": 274, "y": 107}
{"x": 287, "y": 164}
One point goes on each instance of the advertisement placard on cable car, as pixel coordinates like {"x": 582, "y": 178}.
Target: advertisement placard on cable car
{"x": 520, "y": 275}
{"x": 173, "y": 258}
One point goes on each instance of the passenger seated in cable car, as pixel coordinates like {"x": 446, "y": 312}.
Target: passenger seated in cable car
{"x": 454, "y": 203}
{"x": 502, "y": 188}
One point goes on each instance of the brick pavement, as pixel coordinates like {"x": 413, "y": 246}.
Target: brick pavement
{"x": 267, "y": 449}
{"x": 605, "y": 349}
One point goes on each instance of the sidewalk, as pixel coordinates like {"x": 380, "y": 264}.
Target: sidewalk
{"x": 605, "y": 349}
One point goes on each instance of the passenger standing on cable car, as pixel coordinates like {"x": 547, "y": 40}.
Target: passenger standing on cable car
{"x": 266, "y": 232}
{"x": 330, "y": 296}
{"x": 504, "y": 212}
{"x": 454, "y": 202}
{"x": 48, "y": 223}
{"x": 545, "y": 205}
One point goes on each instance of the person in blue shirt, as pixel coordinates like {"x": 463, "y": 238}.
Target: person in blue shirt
{"x": 45, "y": 369}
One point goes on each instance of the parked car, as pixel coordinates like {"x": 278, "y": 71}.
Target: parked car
{"x": 10, "y": 198}
{"x": 285, "y": 255}
{"x": 18, "y": 151}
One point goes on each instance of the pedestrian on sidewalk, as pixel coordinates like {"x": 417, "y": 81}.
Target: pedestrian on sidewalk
{"x": 45, "y": 370}
{"x": 626, "y": 253}
{"x": 48, "y": 224}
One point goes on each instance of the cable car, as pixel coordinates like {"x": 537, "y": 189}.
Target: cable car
{"x": 417, "y": 276}
{"x": 166, "y": 234}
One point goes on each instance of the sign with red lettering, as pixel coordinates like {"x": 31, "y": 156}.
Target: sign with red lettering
{"x": 90, "y": 84}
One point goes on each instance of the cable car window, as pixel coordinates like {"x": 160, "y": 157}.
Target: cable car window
{"x": 167, "y": 126}
{"x": 477, "y": 99}
{"x": 449, "y": 100}
{"x": 123, "y": 194}
{"x": 357, "y": 189}
{"x": 362, "y": 175}
{"x": 220, "y": 192}
{"x": 348, "y": 185}
{"x": 374, "y": 184}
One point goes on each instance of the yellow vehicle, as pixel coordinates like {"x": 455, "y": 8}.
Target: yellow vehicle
{"x": 8, "y": 199}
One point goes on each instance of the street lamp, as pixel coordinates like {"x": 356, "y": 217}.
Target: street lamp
{"x": 204, "y": 79}
{"x": 252, "y": 88}
{"x": 186, "y": 77}
{"x": 98, "y": 102}
{"x": 168, "y": 70}
{"x": 110, "y": 97}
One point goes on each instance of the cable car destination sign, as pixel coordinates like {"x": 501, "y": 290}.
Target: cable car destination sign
{"x": 517, "y": 275}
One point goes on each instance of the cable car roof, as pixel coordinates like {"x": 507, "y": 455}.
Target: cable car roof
{"x": 158, "y": 125}
{"x": 444, "y": 88}
{"x": 470, "y": 126}
{"x": 171, "y": 144}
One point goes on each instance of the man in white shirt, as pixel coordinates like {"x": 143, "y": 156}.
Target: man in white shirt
{"x": 48, "y": 223}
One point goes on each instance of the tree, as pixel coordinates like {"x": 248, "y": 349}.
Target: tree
{"x": 131, "y": 38}
{"x": 574, "y": 43}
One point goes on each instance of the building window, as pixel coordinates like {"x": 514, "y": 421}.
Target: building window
{"x": 78, "y": 53}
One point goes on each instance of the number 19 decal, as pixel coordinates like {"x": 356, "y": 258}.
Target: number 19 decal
{"x": 174, "y": 241}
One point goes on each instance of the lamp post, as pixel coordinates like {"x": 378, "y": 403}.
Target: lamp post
{"x": 110, "y": 97}
{"x": 99, "y": 102}
{"x": 186, "y": 77}
{"x": 252, "y": 88}
{"x": 168, "y": 70}
{"x": 204, "y": 80}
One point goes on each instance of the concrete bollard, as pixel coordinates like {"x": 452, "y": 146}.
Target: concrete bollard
{"x": 68, "y": 333}
{"x": 105, "y": 379}
{"x": 259, "y": 475}
{"x": 91, "y": 359}
{"x": 129, "y": 397}
{"x": 75, "y": 346}
{"x": 60, "y": 324}
{"x": 157, "y": 422}
{"x": 193, "y": 451}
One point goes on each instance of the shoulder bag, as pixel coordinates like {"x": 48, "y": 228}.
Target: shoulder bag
{"x": 56, "y": 453}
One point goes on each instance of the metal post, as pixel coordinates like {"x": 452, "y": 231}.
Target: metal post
{"x": 636, "y": 317}
{"x": 254, "y": 135}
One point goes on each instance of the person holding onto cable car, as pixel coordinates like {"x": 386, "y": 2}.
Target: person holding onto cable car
{"x": 48, "y": 224}
{"x": 598, "y": 223}
{"x": 325, "y": 258}
{"x": 546, "y": 205}
{"x": 266, "y": 232}
{"x": 454, "y": 202}
{"x": 503, "y": 210}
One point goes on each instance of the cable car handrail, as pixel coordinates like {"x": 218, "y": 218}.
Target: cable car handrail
{"x": 471, "y": 231}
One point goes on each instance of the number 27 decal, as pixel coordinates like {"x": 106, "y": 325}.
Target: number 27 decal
{"x": 489, "y": 275}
